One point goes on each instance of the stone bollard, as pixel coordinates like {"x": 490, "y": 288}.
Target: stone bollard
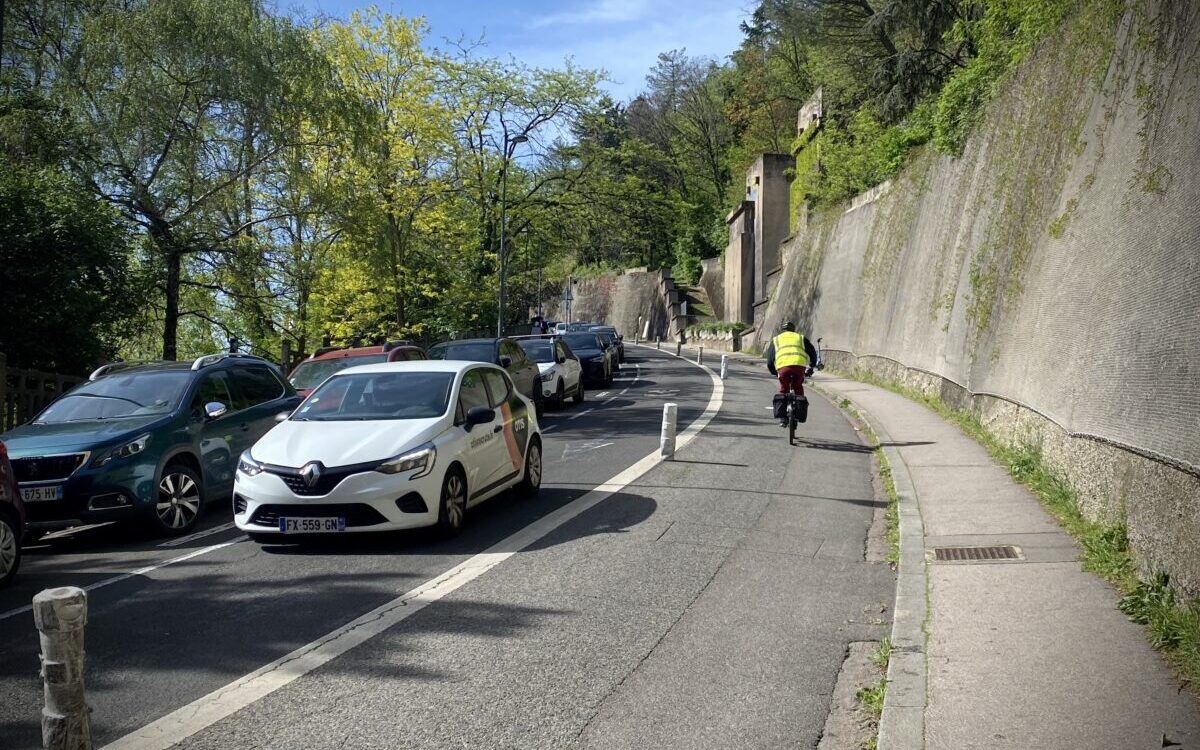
{"x": 700, "y": 356}
{"x": 723, "y": 365}
{"x": 658, "y": 344}
{"x": 60, "y": 615}
{"x": 666, "y": 444}
{"x": 678, "y": 348}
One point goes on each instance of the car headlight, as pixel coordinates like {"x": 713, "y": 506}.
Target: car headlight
{"x": 547, "y": 375}
{"x": 419, "y": 461}
{"x": 248, "y": 466}
{"x": 132, "y": 448}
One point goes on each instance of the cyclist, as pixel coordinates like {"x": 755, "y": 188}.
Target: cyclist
{"x": 790, "y": 357}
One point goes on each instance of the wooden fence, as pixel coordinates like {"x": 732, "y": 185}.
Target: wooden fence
{"x": 23, "y": 393}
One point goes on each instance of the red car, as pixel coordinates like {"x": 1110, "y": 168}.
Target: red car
{"x": 326, "y": 361}
{"x": 12, "y": 520}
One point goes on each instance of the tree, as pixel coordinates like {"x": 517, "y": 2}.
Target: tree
{"x": 175, "y": 105}
{"x": 64, "y": 267}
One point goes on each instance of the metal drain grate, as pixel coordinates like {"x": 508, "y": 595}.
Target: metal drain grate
{"x": 969, "y": 554}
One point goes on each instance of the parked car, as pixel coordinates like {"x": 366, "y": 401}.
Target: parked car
{"x": 12, "y": 520}
{"x": 560, "y": 369}
{"x": 325, "y": 361}
{"x": 390, "y": 446}
{"x": 593, "y": 356}
{"x": 149, "y": 442}
{"x": 502, "y": 352}
{"x": 610, "y": 335}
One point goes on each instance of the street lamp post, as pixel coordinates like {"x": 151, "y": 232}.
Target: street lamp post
{"x": 509, "y": 146}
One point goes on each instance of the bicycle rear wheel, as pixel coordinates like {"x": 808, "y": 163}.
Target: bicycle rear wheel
{"x": 791, "y": 414}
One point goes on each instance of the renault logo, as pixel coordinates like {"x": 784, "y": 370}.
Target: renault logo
{"x": 311, "y": 473}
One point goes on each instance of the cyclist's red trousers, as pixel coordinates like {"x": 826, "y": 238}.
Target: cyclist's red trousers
{"x": 791, "y": 378}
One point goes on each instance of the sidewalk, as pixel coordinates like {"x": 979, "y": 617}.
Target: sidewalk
{"x": 1029, "y": 653}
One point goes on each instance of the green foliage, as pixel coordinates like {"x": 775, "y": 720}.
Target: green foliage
{"x": 719, "y": 327}
{"x": 857, "y": 156}
{"x": 1172, "y": 625}
{"x": 882, "y": 655}
{"x": 871, "y": 698}
{"x": 64, "y": 268}
{"x": 1003, "y": 35}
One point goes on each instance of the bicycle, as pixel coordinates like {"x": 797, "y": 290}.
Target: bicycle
{"x": 795, "y": 412}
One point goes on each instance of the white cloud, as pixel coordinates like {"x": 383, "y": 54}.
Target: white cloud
{"x": 600, "y": 11}
{"x": 628, "y": 52}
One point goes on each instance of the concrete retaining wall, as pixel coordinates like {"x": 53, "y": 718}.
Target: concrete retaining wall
{"x": 1049, "y": 277}
{"x": 712, "y": 280}
{"x": 620, "y": 299}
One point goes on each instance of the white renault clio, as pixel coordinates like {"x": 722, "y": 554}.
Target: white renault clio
{"x": 390, "y": 446}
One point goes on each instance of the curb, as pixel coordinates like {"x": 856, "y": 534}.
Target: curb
{"x": 902, "y": 724}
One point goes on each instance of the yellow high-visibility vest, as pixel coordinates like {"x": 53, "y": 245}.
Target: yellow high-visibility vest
{"x": 789, "y": 350}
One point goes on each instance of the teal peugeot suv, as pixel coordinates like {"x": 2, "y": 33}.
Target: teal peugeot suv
{"x": 148, "y": 442}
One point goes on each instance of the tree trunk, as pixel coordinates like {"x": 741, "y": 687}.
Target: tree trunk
{"x": 171, "y": 313}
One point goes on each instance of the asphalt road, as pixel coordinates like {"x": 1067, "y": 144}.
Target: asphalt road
{"x": 709, "y": 603}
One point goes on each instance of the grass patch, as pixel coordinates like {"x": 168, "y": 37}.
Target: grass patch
{"x": 883, "y": 654}
{"x": 1172, "y": 626}
{"x": 870, "y": 698}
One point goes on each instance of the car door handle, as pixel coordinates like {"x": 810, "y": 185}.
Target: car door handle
{"x": 497, "y": 428}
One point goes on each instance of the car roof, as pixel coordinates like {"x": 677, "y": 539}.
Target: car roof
{"x": 358, "y": 351}
{"x": 207, "y": 362}
{"x": 489, "y": 340}
{"x": 425, "y": 365}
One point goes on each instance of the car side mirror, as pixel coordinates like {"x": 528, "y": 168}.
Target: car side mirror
{"x": 560, "y": 359}
{"x": 215, "y": 410}
{"x": 819, "y": 340}
{"x": 620, "y": 338}
{"x": 282, "y": 416}
{"x": 505, "y": 362}
{"x": 479, "y": 415}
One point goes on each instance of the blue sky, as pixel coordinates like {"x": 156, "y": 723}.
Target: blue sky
{"x": 621, "y": 36}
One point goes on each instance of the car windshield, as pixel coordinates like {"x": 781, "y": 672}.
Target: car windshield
{"x": 312, "y": 373}
{"x": 133, "y": 394}
{"x": 475, "y": 351}
{"x": 581, "y": 341}
{"x": 539, "y": 350}
{"x": 378, "y": 395}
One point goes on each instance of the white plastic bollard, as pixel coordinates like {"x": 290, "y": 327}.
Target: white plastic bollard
{"x": 658, "y": 344}
{"x": 700, "y": 355}
{"x": 60, "y": 615}
{"x": 723, "y": 365}
{"x": 666, "y": 444}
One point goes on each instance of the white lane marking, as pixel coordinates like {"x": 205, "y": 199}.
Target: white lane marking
{"x": 197, "y": 535}
{"x": 584, "y": 447}
{"x": 549, "y": 429}
{"x": 601, "y": 394}
{"x": 134, "y": 573}
{"x": 580, "y": 414}
{"x": 185, "y": 721}
{"x": 610, "y": 400}
{"x": 75, "y": 530}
